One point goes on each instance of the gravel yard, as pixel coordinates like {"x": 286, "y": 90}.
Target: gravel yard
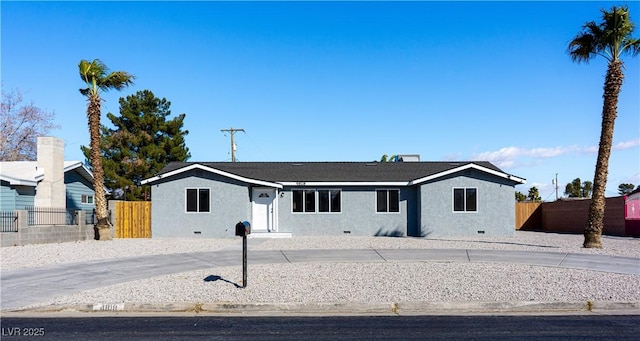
{"x": 407, "y": 281}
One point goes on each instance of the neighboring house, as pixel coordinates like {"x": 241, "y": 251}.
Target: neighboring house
{"x": 49, "y": 182}
{"x": 432, "y": 199}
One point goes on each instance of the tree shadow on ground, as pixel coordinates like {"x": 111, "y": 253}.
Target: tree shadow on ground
{"x": 392, "y": 233}
{"x": 398, "y": 233}
{"x": 495, "y": 242}
{"x": 213, "y": 278}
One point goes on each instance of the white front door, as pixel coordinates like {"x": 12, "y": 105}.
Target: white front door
{"x": 262, "y": 209}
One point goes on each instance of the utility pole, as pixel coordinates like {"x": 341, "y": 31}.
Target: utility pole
{"x": 231, "y": 132}
{"x": 555, "y": 182}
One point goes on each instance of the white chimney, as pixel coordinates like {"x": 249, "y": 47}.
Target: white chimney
{"x": 51, "y": 190}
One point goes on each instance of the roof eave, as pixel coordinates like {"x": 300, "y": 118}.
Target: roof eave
{"x": 343, "y": 183}
{"x": 214, "y": 171}
{"x": 18, "y": 182}
{"x": 84, "y": 171}
{"x": 510, "y": 177}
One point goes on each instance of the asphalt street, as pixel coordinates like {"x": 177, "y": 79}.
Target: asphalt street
{"x": 547, "y": 327}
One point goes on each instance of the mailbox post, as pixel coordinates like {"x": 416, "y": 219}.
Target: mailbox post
{"x": 243, "y": 228}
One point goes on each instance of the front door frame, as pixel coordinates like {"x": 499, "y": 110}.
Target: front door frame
{"x": 271, "y": 223}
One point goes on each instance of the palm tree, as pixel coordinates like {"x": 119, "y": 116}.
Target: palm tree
{"x": 97, "y": 77}
{"x": 610, "y": 39}
{"x": 387, "y": 158}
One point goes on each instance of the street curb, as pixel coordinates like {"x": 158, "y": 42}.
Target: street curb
{"x": 517, "y": 307}
{"x": 390, "y": 308}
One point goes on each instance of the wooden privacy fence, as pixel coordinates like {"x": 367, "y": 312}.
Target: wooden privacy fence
{"x": 133, "y": 219}
{"x": 570, "y": 216}
{"x": 528, "y": 215}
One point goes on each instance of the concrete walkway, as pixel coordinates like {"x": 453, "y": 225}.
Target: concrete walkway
{"x": 33, "y": 285}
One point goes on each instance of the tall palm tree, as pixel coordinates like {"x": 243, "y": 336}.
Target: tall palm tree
{"x": 610, "y": 39}
{"x": 97, "y": 77}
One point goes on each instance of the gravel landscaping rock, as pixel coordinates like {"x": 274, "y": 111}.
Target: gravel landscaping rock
{"x": 409, "y": 281}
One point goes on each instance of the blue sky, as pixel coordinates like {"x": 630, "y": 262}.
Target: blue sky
{"x": 341, "y": 81}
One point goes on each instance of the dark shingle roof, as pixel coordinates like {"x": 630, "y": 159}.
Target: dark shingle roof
{"x": 331, "y": 171}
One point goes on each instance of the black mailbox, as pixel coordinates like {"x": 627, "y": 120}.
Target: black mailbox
{"x": 243, "y": 228}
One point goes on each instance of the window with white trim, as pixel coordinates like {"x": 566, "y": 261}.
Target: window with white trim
{"x": 87, "y": 199}
{"x": 327, "y": 201}
{"x": 198, "y": 199}
{"x": 465, "y": 199}
{"x": 304, "y": 201}
{"x": 387, "y": 201}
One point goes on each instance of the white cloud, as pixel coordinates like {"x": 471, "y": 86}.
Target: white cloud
{"x": 589, "y": 150}
{"x": 508, "y": 153}
{"x": 499, "y": 155}
{"x": 544, "y": 153}
{"x": 623, "y": 145}
{"x": 626, "y": 144}
{"x": 513, "y": 157}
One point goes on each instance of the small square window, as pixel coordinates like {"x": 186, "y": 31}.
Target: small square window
{"x": 329, "y": 201}
{"x": 198, "y": 200}
{"x": 388, "y": 200}
{"x": 465, "y": 199}
{"x": 304, "y": 201}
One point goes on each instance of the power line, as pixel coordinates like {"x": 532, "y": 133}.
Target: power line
{"x": 263, "y": 154}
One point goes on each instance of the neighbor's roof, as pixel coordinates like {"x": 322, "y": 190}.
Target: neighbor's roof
{"x": 277, "y": 174}
{"x": 27, "y": 173}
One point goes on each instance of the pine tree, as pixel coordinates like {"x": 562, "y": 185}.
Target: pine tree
{"x": 143, "y": 142}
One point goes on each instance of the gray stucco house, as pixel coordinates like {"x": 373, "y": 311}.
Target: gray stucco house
{"x": 49, "y": 182}
{"x": 433, "y": 199}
